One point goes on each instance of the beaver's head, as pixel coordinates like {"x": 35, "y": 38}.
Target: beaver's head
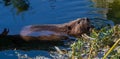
{"x": 79, "y": 27}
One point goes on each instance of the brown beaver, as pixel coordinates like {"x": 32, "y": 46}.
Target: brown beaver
{"x": 56, "y": 31}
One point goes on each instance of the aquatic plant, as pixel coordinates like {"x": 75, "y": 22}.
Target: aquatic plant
{"x": 19, "y": 5}
{"x": 105, "y": 40}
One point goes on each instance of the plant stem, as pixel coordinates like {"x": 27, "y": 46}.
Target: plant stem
{"x": 116, "y": 43}
{"x": 89, "y": 56}
{"x": 73, "y": 53}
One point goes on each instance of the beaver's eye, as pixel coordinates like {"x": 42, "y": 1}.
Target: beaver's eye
{"x": 78, "y": 22}
{"x": 69, "y": 28}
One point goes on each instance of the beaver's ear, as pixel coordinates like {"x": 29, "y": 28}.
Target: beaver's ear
{"x": 87, "y": 19}
{"x": 68, "y": 27}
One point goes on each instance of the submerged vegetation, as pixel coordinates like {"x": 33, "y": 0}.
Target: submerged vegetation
{"x": 19, "y": 5}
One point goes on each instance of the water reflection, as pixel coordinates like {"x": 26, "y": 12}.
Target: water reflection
{"x": 24, "y": 5}
{"x": 114, "y": 11}
{"x": 6, "y": 2}
{"x": 20, "y": 5}
{"x": 110, "y": 9}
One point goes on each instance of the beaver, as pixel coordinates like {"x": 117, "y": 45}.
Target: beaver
{"x": 56, "y": 32}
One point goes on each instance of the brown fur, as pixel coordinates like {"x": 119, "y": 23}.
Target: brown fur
{"x": 60, "y": 31}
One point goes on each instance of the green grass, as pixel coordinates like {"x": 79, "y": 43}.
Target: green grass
{"x": 106, "y": 40}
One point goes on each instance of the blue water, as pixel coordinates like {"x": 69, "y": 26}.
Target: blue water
{"x": 42, "y": 12}
{"x": 45, "y": 12}
{"x": 17, "y": 54}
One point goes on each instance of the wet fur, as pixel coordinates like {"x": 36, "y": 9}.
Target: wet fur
{"x": 60, "y": 31}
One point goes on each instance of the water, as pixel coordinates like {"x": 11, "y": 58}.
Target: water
{"x": 14, "y": 17}
{"x": 44, "y": 12}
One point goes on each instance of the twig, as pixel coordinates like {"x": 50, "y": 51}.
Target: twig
{"x": 116, "y": 43}
{"x": 87, "y": 37}
{"x": 59, "y": 51}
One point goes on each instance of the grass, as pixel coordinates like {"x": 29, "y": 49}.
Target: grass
{"x": 105, "y": 40}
